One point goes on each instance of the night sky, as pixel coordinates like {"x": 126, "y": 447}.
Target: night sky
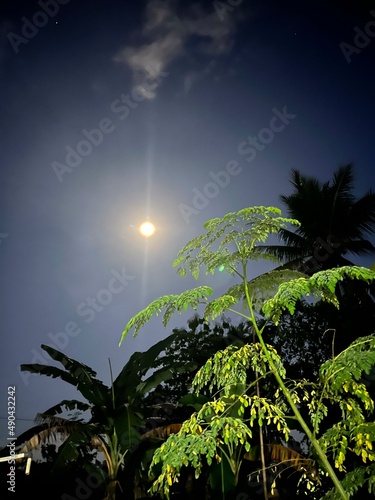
{"x": 116, "y": 112}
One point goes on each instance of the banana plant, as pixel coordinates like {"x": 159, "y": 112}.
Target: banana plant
{"x": 117, "y": 414}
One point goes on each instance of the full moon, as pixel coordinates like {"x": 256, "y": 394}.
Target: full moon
{"x": 147, "y": 229}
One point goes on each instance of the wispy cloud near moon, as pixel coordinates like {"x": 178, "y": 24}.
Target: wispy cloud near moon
{"x": 166, "y": 32}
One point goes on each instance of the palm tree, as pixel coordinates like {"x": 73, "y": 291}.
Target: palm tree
{"x": 334, "y": 226}
{"x": 117, "y": 413}
{"x": 334, "y": 223}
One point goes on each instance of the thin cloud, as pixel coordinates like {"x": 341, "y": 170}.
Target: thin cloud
{"x": 217, "y": 36}
{"x": 165, "y": 35}
{"x": 156, "y": 54}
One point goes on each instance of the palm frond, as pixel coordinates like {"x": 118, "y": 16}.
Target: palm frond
{"x": 343, "y": 182}
{"x": 162, "y": 432}
{"x": 362, "y": 215}
{"x": 48, "y": 429}
{"x": 67, "y": 405}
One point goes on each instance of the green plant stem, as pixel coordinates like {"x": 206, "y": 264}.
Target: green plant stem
{"x": 303, "y": 424}
{"x": 261, "y": 441}
{"x": 289, "y": 398}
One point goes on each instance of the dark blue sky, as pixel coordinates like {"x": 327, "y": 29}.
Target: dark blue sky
{"x": 115, "y": 111}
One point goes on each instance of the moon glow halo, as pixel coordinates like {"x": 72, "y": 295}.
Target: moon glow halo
{"x": 147, "y": 229}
